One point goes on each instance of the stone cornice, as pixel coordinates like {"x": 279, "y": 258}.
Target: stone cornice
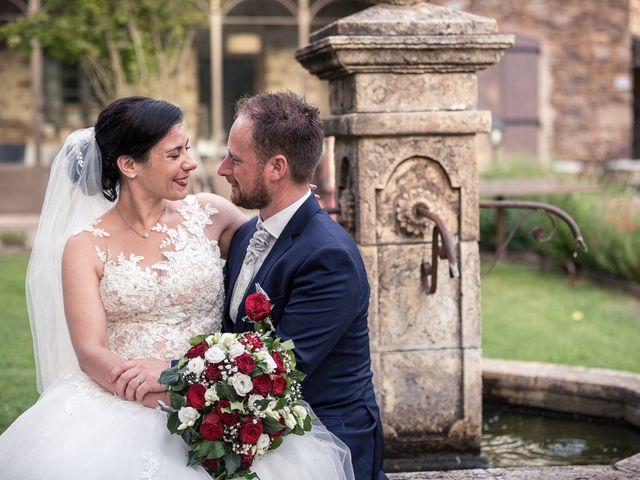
{"x": 412, "y": 123}
{"x": 404, "y": 39}
{"x": 338, "y": 56}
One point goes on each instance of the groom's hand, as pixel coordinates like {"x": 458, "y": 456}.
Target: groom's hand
{"x": 135, "y": 378}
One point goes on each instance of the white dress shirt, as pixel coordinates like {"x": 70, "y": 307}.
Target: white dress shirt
{"x": 275, "y": 226}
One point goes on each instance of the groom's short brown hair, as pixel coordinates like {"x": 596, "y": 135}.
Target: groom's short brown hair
{"x": 284, "y": 123}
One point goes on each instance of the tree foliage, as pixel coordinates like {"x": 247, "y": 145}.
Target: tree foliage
{"x": 125, "y": 46}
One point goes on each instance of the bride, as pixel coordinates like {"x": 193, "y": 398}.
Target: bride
{"x": 136, "y": 280}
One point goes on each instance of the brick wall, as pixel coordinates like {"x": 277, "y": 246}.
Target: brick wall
{"x": 587, "y": 45}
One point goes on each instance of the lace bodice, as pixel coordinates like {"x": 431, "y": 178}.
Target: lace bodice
{"x": 152, "y": 311}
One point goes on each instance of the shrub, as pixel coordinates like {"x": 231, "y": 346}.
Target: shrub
{"x": 13, "y": 238}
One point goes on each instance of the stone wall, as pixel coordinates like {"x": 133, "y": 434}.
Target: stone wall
{"x": 16, "y": 106}
{"x": 587, "y": 45}
{"x": 16, "y": 111}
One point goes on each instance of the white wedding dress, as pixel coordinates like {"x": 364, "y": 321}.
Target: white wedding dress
{"x": 77, "y": 430}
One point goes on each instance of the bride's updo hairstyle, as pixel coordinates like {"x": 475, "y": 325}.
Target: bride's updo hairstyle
{"x": 131, "y": 126}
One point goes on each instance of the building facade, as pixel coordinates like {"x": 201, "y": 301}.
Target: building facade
{"x": 569, "y": 89}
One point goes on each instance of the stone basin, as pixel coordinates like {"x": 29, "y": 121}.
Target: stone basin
{"x": 558, "y": 388}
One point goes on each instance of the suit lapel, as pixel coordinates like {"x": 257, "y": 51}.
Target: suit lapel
{"x": 295, "y": 226}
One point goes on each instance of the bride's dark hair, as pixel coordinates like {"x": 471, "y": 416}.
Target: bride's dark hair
{"x": 131, "y": 126}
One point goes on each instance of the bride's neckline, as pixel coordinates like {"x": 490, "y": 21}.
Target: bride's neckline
{"x": 188, "y": 230}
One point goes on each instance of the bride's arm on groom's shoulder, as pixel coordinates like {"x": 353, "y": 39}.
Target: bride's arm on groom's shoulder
{"x": 225, "y": 222}
{"x": 87, "y": 321}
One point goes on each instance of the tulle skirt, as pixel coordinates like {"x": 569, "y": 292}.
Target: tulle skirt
{"x": 76, "y": 430}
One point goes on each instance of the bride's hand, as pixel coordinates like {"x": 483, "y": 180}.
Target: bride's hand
{"x": 138, "y": 377}
{"x": 313, "y": 188}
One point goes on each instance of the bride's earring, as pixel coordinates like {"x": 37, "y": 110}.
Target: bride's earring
{"x": 132, "y": 175}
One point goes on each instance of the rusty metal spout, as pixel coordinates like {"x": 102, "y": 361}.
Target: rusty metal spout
{"x": 447, "y": 240}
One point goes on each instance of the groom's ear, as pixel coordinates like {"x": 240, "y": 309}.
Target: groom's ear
{"x": 277, "y": 167}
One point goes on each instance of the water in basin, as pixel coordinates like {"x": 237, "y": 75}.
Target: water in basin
{"x": 528, "y": 437}
{"x": 520, "y": 437}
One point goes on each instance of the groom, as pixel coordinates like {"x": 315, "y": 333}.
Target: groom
{"x": 307, "y": 264}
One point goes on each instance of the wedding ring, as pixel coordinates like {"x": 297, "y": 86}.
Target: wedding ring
{"x": 138, "y": 380}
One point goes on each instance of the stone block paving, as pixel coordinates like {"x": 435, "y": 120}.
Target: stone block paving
{"x": 627, "y": 469}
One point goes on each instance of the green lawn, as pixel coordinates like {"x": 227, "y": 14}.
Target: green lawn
{"x": 527, "y": 315}
{"x": 539, "y": 316}
{"x": 17, "y": 376}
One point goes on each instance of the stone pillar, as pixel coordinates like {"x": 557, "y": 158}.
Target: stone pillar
{"x": 403, "y": 92}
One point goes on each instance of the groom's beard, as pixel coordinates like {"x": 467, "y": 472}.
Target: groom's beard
{"x": 259, "y": 197}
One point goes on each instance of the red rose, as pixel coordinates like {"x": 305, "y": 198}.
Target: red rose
{"x": 227, "y": 418}
{"x": 212, "y": 427}
{"x": 250, "y": 432}
{"x": 212, "y": 372}
{"x": 257, "y": 306}
{"x": 195, "y": 395}
{"x": 246, "y": 460}
{"x": 212, "y": 463}
{"x": 278, "y": 385}
{"x": 245, "y": 363}
{"x": 279, "y": 363}
{"x": 197, "y": 350}
{"x": 262, "y": 384}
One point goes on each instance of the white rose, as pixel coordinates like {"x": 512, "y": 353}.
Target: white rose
{"x": 236, "y": 350}
{"x": 211, "y": 395}
{"x": 263, "y": 443}
{"x": 187, "y": 417}
{"x": 290, "y": 421}
{"x": 209, "y": 340}
{"x": 228, "y": 339}
{"x": 195, "y": 365}
{"x": 242, "y": 384}
{"x": 214, "y": 355}
{"x": 300, "y": 412}
{"x": 264, "y": 356}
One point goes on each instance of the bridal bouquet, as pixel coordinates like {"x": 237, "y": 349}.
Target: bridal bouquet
{"x": 235, "y": 396}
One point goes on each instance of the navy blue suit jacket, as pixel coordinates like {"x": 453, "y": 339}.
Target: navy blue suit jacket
{"x": 317, "y": 283}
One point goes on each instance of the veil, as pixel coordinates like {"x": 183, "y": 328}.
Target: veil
{"x": 73, "y": 200}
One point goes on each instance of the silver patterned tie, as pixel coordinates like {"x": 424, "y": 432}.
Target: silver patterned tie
{"x": 257, "y": 245}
